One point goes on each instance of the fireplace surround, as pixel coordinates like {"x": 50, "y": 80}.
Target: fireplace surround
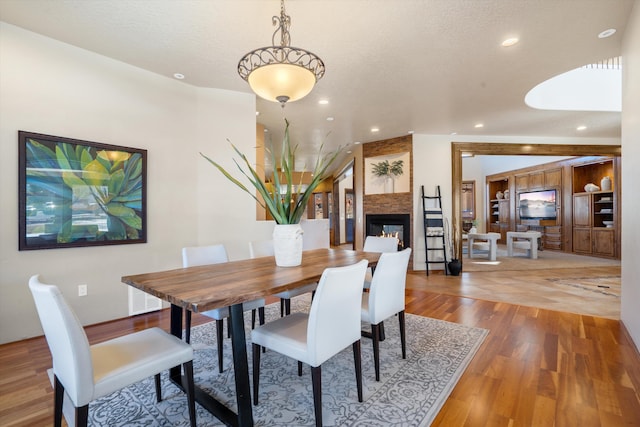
{"x": 390, "y": 224}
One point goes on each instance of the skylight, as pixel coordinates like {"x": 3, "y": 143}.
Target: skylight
{"x": 593, "y": 87}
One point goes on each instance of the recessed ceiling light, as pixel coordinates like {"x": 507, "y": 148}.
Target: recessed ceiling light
{"x": 453, "y": 133}
{"x": 581, "y": 128}
{"x": 410, "y": 132}
{"x": 329, "y": 119}
{"x": 510, "y": 41}
{"x": 178, "y": 76}
{"x": 357, "y": 142}
{"x": 323, "y": 102}
{"x": 257, "y": 113}
{"x": 479, "y": 125}
{"x": 607, "y": 33}
{"x": 375, "y": 130}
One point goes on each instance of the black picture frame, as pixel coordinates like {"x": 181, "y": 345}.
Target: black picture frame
{"x": 75, "y": 193}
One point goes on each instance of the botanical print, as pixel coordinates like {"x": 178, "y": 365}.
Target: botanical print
{"x": 77, "y": 193}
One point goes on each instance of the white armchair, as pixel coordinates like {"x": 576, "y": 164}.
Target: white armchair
{"x": 83, "y": 373}
{"x": 386, "y": 298}
{"x": 332, "y": 324}
{"x": 215, "y": 254}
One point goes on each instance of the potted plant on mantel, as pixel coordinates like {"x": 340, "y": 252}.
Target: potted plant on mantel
{"x": 282, "y": 198}
{"x": 454, "y": 265}
{"x": 388, "y": 171}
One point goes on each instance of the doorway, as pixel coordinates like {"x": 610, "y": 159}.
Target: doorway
{"x": 458, "y": 149}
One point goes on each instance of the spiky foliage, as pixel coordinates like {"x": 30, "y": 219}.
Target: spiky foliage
{"x": 385, "y": 168}
{"x": 287, "y": 207}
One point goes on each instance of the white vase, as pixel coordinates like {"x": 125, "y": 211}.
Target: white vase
{"x": 287, "y": 244}
{"x": 389, "y": 185}
{"x": 605, "y": 184}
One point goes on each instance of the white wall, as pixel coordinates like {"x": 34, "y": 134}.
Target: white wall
{"x": 630, "y": 314}
{"x": 54, "y": 88}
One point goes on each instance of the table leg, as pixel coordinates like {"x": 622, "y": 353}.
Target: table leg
{"x": 220, "y": 411}
{"x": 240, "y": 365}
{"x": 493, "y": 249}
{"x": 534, "y": 248}
{"x": 509, "y": 245}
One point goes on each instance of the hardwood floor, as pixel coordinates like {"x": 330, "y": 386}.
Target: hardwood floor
{"x": 537, "y": 367}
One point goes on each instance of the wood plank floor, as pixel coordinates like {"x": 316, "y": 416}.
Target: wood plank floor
{"x": 537, "y": 367}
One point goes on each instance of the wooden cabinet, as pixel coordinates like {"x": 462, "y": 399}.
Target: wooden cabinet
{"x": 593, "y": 224}
{"x": 522, "y": 183}
{"x": 552, "y": 238}
{"x": 553, "y": 178}
{"x": 536, "y": 181}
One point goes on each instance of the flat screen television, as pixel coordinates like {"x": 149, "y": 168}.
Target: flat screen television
{"x": 537, "y": 204}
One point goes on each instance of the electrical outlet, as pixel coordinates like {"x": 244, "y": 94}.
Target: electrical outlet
{"x": 82, "y": 290}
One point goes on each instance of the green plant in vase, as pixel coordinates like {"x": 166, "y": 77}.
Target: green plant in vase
{"x": 388, "y": 171}
{"x": 284, "y": 199}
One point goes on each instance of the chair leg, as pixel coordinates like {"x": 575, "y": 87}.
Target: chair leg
{"x": 281, "y": 307}
{"x": 158, "y": 388}
{"x": 191, "y": 392}
{"x": 82, "y": 416}
{"x": 253, "y": 319}
{"x": 287, "y": 307}
{"x": 299, "y": 368}
{"x": 375, "y": 335}
{"x": 316, "y": 381}
{"x": 187, "y": 326}
{"x": 219, "y": 337}
{"x": 256, "y": 372}
{"x": 403, "y": 340}
{"x": 58, "y": 398}
{"x": 357, "y": 359}
{"x": 261, "y": 317}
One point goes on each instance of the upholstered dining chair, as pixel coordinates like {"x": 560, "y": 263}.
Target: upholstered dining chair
{"x": 215, "y": 254}
{"x": 386, "y": 298}
{"x": 332, "y": 324}
{"x": 262, "y": 248}
{"x": 83, "y": 373}
{"x": 377, "y": 244}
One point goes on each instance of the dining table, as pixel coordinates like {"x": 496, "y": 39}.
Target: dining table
{"x": 230, "y": 284}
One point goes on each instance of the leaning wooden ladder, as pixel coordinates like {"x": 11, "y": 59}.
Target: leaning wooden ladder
{"x": 434, "y": 229}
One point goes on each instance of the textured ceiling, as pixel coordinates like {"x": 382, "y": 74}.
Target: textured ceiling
{"x": 430, "y": 66}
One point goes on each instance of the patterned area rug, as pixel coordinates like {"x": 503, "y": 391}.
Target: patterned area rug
{"x": 608, "y": 286}
{"x": 410, "y": 393}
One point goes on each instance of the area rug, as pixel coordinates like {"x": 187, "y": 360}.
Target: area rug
{"x": 410, "y": 393}
{"x": 546, "y": 259}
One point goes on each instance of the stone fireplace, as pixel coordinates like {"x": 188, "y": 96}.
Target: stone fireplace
{"x": 390, "y": 225}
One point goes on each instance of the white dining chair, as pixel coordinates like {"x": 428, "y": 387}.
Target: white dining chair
{"x": 262, "y": 248}
{"x": 215, "y": 254}
{"x": 386, "y": 298}
{"x": 377, "y": 244}
{"x": 83, "y": 373}
{"x": 332, "y": 324}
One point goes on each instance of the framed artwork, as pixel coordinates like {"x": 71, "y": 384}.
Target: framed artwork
{"x": 78, "y": 193}
{"x": 348, "y": 204}
{"x": 318, "y": 205}
{"x": 468, "y": 200}
{"x": 387, "y": 174}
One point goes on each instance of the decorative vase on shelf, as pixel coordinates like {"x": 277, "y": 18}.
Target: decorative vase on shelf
{"x": 605, "y": 184}
{"x": 506, "y": 194}
{"x": 590, "y": 188}
{"x": 499, "y": 195}
{"x": 287, "y": 244}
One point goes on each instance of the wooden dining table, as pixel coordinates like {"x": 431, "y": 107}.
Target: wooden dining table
{"x": 230, "y": 284}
